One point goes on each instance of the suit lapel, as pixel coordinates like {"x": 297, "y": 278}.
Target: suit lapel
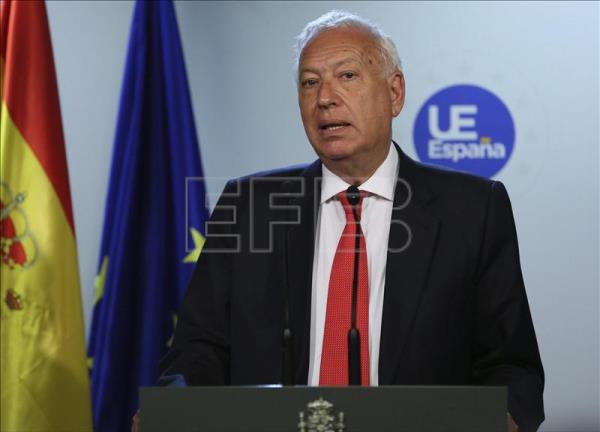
{"x": 300, "y": 253}
{"x": 413, "y": 233}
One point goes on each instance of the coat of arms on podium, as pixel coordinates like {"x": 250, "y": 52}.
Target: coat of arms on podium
{"x": 321, "y": 418}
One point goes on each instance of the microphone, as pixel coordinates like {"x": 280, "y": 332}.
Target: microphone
{"x": 353, "y": 195}
{"x": 354, "y": 373}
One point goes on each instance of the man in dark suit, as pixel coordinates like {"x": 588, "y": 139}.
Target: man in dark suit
{"x": 444, "y": 301}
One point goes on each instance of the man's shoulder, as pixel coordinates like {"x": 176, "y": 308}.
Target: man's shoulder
{"x": 283, "y": 173}
{"x": 447, "y": 182}
{"x": 285, "y": 180}
{"x": 463, "y": 200}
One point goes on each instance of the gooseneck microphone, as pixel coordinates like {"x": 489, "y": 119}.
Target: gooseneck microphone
{"x": 354, "y": 375}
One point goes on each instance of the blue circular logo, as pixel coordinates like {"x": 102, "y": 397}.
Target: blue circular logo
{"x": 467, "y": 128}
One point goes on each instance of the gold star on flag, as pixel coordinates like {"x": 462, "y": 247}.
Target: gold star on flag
{"x": 99, "y": 281}
{"x": 192, "y": 257}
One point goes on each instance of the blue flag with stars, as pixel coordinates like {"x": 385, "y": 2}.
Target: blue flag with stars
{"x": 153, "y": 223}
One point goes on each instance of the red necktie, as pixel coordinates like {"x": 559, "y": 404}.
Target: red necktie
{"x": 334, "y": 358}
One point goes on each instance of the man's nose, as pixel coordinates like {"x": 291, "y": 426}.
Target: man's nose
{"x": 327, "y": 96}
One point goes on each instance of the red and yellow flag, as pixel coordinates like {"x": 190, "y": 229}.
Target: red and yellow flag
{"x": 44, "y": 378}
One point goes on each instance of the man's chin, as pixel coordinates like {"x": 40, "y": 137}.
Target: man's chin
{"x": 335, "y": 151}
{"x": 334, "y": 156}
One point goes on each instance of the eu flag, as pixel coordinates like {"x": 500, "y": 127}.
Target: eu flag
{"x": 154, "y": 219}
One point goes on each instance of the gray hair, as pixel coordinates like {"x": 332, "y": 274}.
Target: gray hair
{"x": 342, "y": 19}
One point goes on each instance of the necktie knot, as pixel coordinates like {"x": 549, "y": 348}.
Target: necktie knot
{"x": 347, "y": 198}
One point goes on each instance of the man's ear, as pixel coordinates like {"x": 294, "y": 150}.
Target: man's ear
{"x": 396, "y": 86}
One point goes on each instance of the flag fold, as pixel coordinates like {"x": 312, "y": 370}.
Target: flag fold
{"x": 153, "y": 222}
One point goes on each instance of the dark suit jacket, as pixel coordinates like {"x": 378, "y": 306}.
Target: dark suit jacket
{"x": 455, "y": 309}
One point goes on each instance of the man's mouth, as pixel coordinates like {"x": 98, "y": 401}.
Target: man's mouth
{"x": 333, "y": 126}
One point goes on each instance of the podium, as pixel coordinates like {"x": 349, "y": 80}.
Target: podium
{"x": 327, "y": 409}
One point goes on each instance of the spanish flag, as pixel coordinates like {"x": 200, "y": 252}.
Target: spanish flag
{"x": 44, "y": 378}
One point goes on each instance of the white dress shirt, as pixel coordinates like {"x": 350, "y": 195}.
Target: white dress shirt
{"x": 375, "y": 223}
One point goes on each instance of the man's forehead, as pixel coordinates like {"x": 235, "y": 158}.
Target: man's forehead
{"x": 337, "y": 47}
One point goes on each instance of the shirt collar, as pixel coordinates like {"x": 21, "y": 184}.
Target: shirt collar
{"x": 381, "y": 183}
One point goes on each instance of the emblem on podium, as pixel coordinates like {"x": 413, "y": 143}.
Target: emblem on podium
{"x": 320, "y": 418}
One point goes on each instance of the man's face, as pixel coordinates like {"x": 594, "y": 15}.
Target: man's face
{"x": 346, "y": 101}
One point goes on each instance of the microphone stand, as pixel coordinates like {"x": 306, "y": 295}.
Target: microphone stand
{"x": 354, "y": 373}
{"x": 287, "y": 340}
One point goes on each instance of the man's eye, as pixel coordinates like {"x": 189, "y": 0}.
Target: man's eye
{"x": 348, "y": 75}
{"x": 310, "y": 82}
